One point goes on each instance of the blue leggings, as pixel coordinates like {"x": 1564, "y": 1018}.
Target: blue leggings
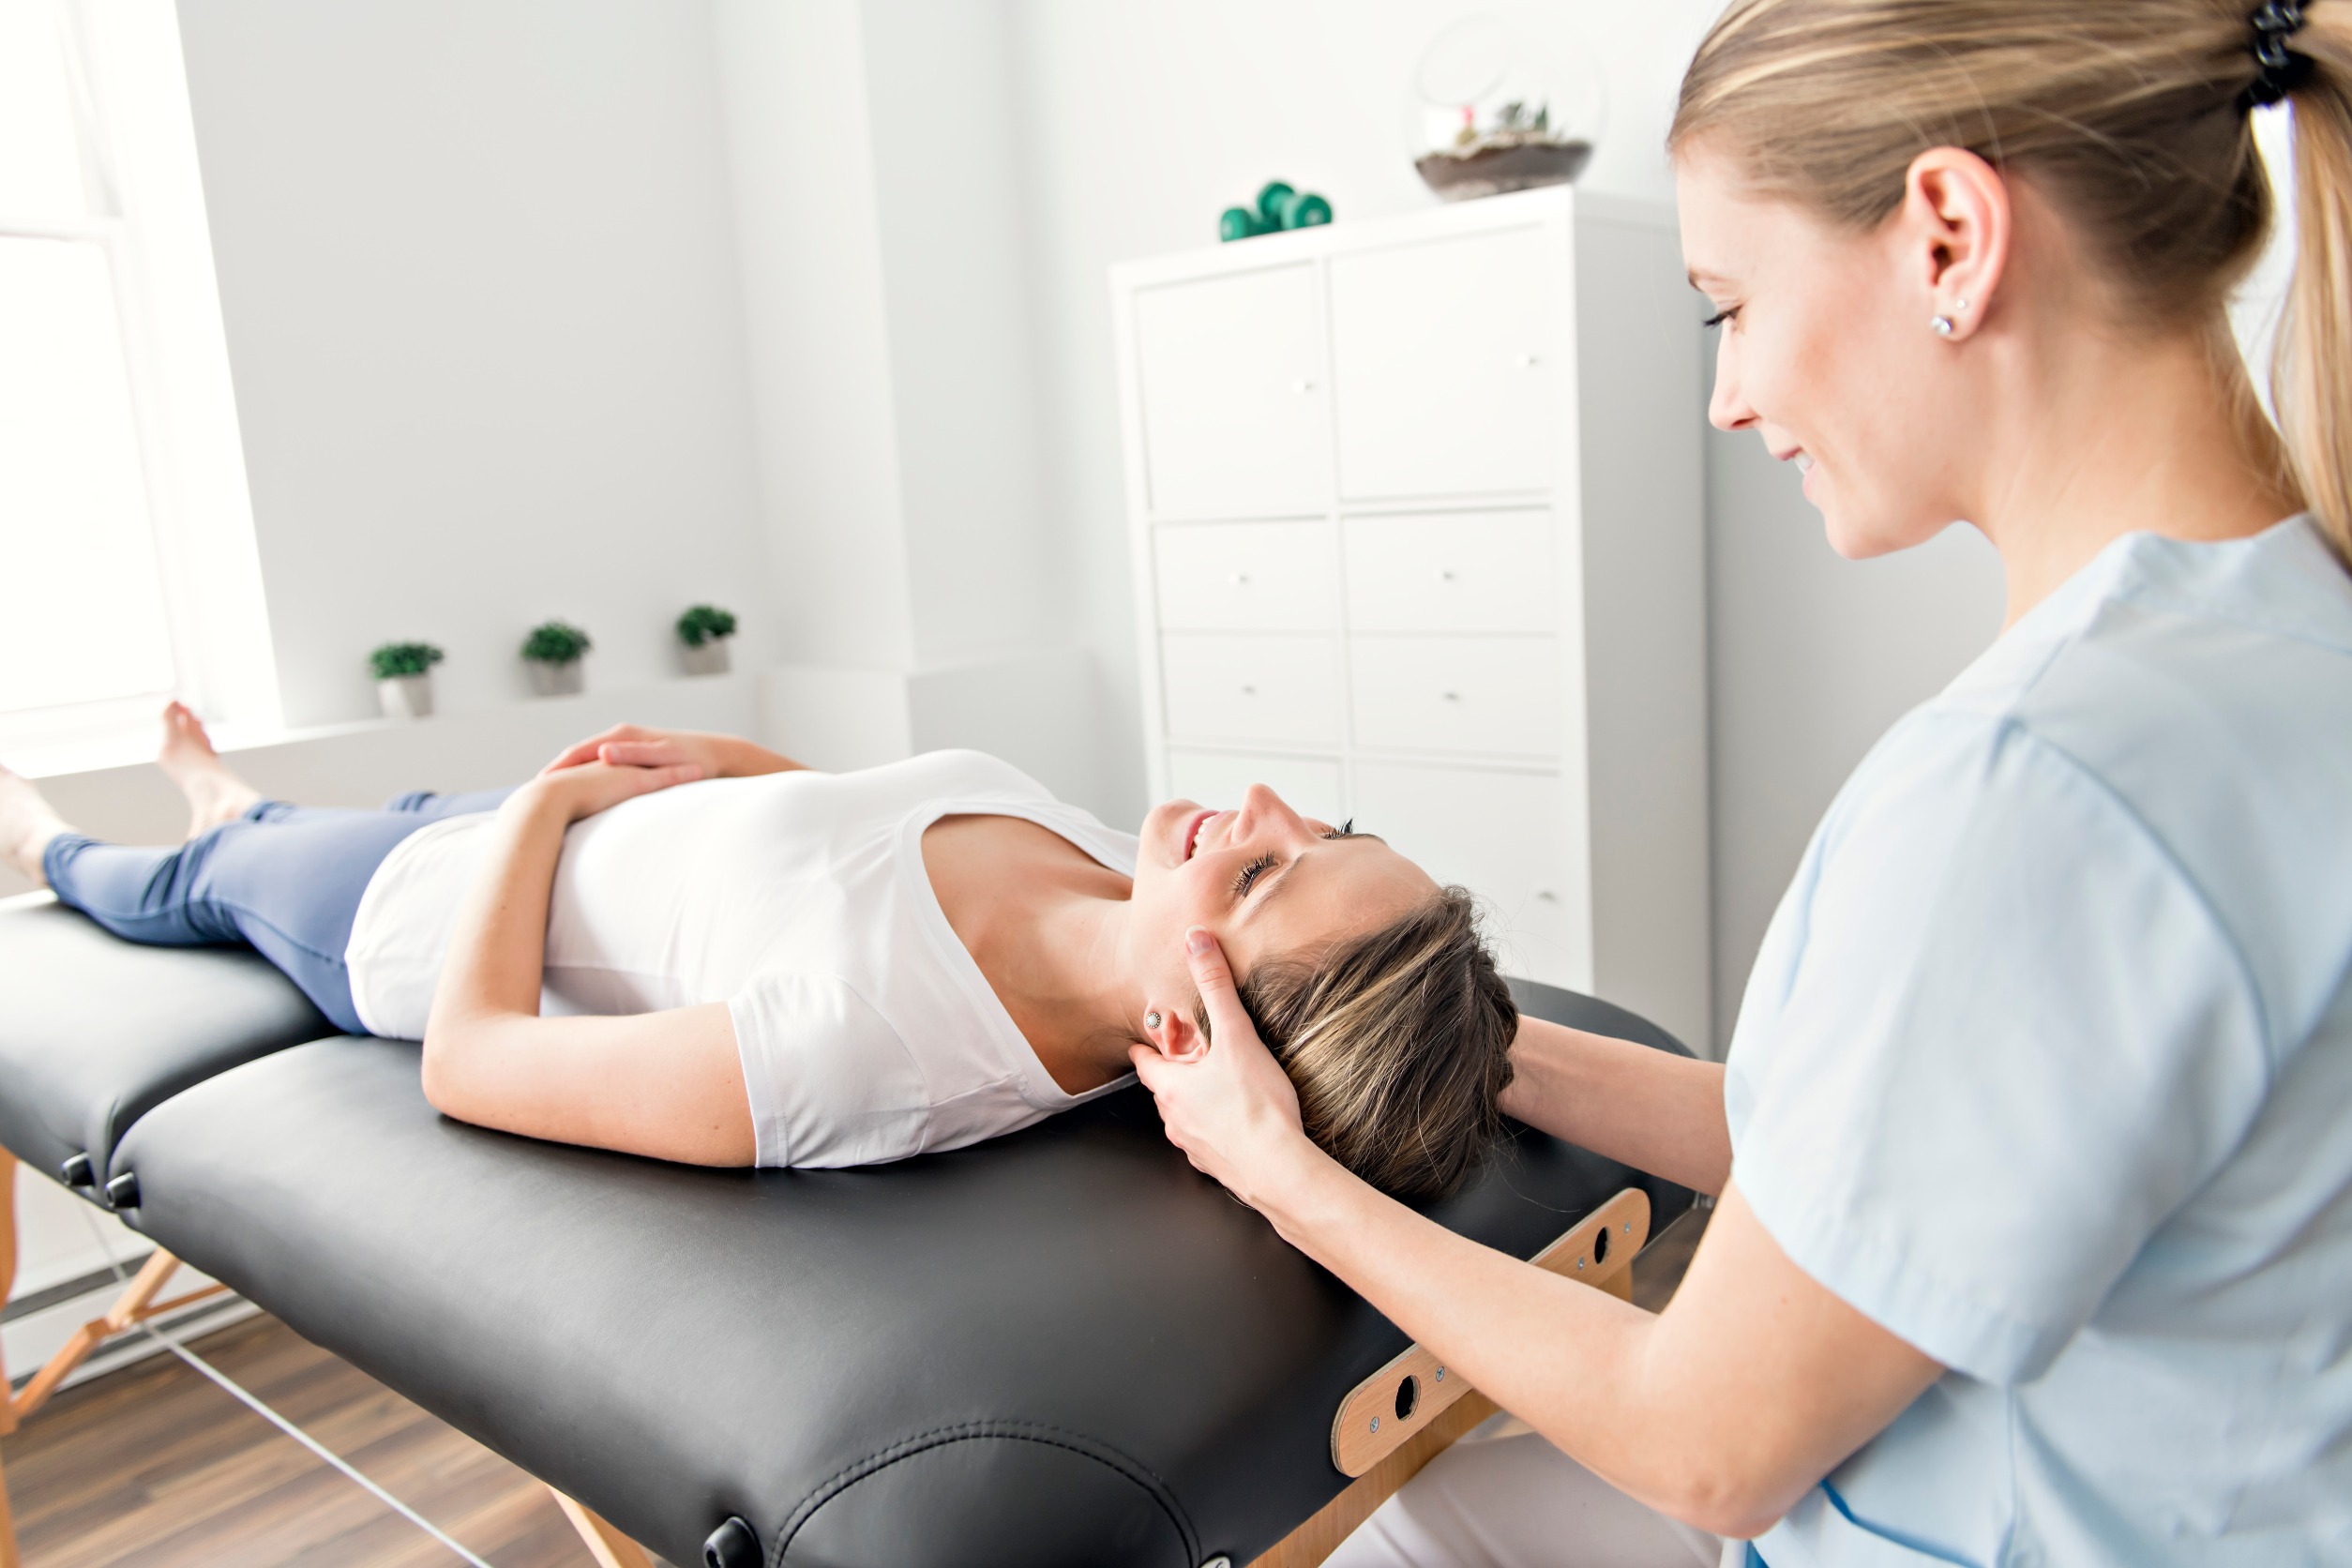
{"x": 284, "y": 880}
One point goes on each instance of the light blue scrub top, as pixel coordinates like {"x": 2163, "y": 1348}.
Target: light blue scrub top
{"x": 2046, "y": 1066}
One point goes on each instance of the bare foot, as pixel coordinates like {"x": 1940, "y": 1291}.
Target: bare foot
{"x": 26, "y": 825}
{"x": 215, "y": 795}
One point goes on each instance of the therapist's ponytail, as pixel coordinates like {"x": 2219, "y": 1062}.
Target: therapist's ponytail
{"x": 2131, "y": 118}
{"x": 2311, "y": 373}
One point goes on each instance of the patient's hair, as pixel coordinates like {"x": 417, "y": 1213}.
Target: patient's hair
{"x": 1399, "y": 1042}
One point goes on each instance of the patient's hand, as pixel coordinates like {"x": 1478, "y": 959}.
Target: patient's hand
{"x": 1225, "y": 1101}
{"x": 585, "y": 789}
{"x": 633, "y": 746}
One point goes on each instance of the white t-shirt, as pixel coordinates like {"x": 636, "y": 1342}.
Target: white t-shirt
{"x": 799, "y": 899}
{"x": 2046, "y": 1067}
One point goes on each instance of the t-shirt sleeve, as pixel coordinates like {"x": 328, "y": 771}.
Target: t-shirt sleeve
{"x": 830, "y": 1081}
{"x": 2015, "y": 1039}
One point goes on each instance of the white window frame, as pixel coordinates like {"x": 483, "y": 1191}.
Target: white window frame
{"x": 137, "y": 137}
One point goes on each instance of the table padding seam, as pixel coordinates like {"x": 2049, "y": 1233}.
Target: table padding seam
{"x": 1019, "y": 1431}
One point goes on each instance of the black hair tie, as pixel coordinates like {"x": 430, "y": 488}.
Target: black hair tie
{"x": 2279, "y": 70}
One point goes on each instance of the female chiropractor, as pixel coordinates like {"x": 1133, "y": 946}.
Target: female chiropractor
{"x": 2034, "y": 1140}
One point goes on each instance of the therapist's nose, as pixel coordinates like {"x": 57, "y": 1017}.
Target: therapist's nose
{"x": 1726, "y": 409}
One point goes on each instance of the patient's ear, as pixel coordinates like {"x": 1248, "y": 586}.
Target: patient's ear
{"x": 1178, "y": 1037}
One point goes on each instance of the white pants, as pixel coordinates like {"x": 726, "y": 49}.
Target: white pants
{"x": 1519, "y": 1502}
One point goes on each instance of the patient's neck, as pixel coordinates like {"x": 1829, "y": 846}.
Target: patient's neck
{"x": 1043, "y": 919}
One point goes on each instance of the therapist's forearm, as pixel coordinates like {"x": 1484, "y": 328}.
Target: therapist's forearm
{"x": 1654, "y": 1112}
{"x": 1721, "y": 1414}
{"x": 1590, "y": 1384}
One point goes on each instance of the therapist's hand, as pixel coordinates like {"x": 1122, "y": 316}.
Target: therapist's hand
{"x": 1224, "y": 1100}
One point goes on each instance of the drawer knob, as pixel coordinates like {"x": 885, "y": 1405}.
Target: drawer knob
{"x": 1451, "y": 696}
{"x": 1548, "y": 896}
{"x": 1529, "y": 362}
{"x": 1446, "y": 575}
{"x": 1241, "y": 579}
{"x": 1302, "y": 386}
{"x": 1249, "y": 691}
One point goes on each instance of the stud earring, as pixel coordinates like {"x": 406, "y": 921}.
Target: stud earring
{"x": 1943, "y": 326}
{"x": 1151, "y": 1020}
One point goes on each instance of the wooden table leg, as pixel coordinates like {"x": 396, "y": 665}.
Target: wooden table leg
{"x": 131, "y": 1308}
{"x": 607, "y": 1545}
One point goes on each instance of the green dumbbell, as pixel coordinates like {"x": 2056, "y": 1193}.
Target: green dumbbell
{"x": 1239, "y": 223}
{"x": 1303, "y": 209}
{"x": 1270, "y": 199}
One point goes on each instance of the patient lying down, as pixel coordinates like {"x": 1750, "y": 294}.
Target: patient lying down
{"x": 684, "y": 946}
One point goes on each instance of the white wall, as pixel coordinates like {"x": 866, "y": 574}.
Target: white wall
{"x": 478, "y": 272}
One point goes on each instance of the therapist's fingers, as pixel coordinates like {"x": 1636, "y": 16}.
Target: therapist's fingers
{"x": 1213, "y": 978}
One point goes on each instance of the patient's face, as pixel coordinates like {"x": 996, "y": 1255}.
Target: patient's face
{"x": 1265, "y": 880}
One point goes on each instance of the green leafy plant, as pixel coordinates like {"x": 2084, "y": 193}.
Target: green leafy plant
{"x": 555, "y": 642}
{"x": 703, "y": 621}
{"x": 396, "y": 659}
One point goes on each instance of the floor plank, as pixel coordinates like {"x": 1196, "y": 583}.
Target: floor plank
{"x": 154, "y": 1466}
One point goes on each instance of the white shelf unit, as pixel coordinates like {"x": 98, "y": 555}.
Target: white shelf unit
{"x": 1417, "y": 536}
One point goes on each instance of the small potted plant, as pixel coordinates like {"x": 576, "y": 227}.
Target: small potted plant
{"x": 404, "y": 679}
{"x": 553, "y": 655}
{"x": 702, "y": 635}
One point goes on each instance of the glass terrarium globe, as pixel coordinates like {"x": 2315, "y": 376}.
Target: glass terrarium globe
{"x": 1491, "y": 108}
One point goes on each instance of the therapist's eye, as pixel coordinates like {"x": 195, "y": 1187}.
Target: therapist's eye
{"x": 1720, "y": 317}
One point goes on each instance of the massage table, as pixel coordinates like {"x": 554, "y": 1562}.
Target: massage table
{"x": 1062, "y": 1348}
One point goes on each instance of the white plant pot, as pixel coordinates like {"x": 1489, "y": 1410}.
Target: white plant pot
{"x": 557, "y": 680}
{"x": 711, "y": 658}
{"x": 406, "y": 696}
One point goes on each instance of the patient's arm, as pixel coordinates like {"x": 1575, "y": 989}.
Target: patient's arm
{"x": 668, "y": 1084}
{"x": 632, "y": 746}
{"x": 1655, "y": 1112}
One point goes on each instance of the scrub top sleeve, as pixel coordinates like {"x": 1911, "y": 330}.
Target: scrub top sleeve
{"x": 2014, "y": 1040}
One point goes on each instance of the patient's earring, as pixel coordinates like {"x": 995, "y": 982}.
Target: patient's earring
{"x": 1946, "y": 325}
{"x": 1151, "y": 1020}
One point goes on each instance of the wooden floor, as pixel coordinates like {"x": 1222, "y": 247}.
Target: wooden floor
{"x": 154, "y": 1466}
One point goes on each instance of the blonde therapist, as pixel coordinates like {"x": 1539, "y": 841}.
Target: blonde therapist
{"x": 2034, "y": 1143}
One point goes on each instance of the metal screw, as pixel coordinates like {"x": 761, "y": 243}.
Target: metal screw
{"x": 1441, "y": 1377}
{"x": 1581, "y": 1265}
{"x": 1376, "y": 1423}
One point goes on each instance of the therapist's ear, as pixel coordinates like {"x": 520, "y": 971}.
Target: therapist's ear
{"x": 1956, "y": 229}
{"x": 1178, "y": 1037}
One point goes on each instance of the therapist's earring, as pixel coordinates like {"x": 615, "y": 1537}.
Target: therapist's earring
{"x": 1943, "y": 326}
{"x": 1151, "y": 1020}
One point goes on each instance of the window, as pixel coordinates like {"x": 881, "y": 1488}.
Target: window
{"x": 126, "y": 537}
